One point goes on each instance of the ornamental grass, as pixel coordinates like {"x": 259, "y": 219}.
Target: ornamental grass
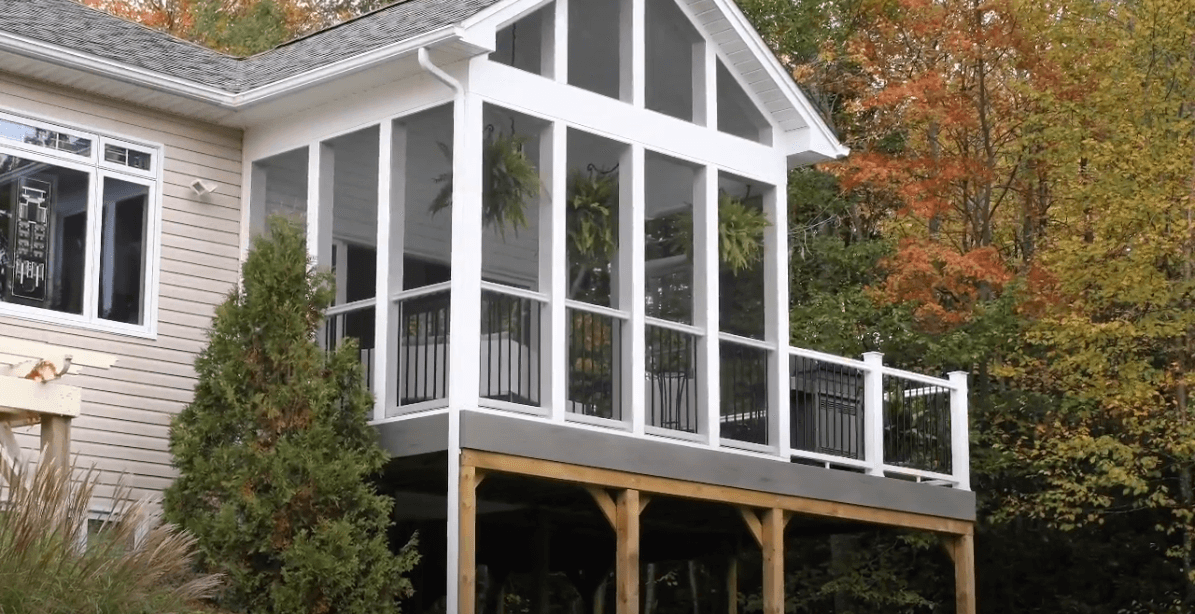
{"x": 56, "y": 558}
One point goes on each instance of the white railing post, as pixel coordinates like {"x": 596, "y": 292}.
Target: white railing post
{"x": 391, "y": 224}
{"x": 553, "y": 263}
{"x": 873, "y": 413}
{"x": 960, "y": 431}
{"x": 705, "y": 274}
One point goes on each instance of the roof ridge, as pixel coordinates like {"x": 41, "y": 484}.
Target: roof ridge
{"x": 330, "y": 28}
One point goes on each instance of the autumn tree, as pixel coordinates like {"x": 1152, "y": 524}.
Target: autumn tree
{"x": 1115, "y": 343}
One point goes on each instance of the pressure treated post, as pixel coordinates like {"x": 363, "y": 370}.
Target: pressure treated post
{"x": 627, "y": 557}
{"x": 773, "y": 561}
{"x": 56, "y": 441}
{"x": 467, "y": 573}
{"x": 964, "y": 574}
{"x": 732, "y": 585}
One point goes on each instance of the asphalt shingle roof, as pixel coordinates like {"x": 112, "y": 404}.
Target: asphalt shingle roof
{"x": 70, "y": 25}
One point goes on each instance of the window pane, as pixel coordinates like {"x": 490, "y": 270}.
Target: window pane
{"x": 41, "y": 137}
{"x": 668, "y": 230}
{"x": 671, "y": 43}
{"x": 122, "y": 251}
{"x": 741, "y": 218}
{"x": 43, "y": 234}
{"x": 427, "y": 196}
{"x": 595, "y": 46}
{"x": 511, "y": 198}
{"x": 127, "y": 157}
{"x": 285, "y": 191}
{"x": 521, "y": 43}
{"x": 592, "y": 218}
{"x": 737, "y": 113}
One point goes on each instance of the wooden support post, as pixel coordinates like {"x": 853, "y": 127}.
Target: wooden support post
{"x": 56, "y": 441}
{"x": 627, "y": 566}
{"x": 963, "y": 551}
{"x": 773, "y": 561}
{"x": 543, "y": 565}
{"x": 467, "y": 571}
{"x": 732, "y": 585}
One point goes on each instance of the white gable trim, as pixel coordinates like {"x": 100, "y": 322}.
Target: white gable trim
{"x": 804, "y": 136}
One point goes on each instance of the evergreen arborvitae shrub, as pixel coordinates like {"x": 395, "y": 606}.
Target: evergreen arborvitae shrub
{"x": 275, "y": 455}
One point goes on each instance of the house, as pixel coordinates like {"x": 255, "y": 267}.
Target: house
{"x": 566, "y": 362}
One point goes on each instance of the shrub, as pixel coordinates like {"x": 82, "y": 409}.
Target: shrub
{"x": 45, "y": 568}
{"x": 275, "y": 454}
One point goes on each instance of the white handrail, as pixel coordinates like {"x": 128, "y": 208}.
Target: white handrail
{"x": 336, "y": 310}
{"x": 830, "y": 358}
{"x": 513, "y": 291}
{"x": 597, "y": 309}
{"x": 919, "y": 378}
{"x": 687, "y": 329}
{"x": 418, "y": 292}
{"x": 747, "y": 341}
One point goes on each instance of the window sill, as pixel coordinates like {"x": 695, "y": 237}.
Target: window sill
{"x": 71, "y": 320}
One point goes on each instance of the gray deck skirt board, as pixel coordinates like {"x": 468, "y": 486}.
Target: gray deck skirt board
{"x": 415, "y": 436}
{"x": 551, "y": 442}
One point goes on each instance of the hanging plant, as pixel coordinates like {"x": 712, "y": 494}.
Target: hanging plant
{"x": 740, "y": 233}
{"x": 592, "y": 227}
{"x": 509, "y": 182}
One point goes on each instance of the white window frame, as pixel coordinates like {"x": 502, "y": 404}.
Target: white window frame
{"x": 97, "y": 170}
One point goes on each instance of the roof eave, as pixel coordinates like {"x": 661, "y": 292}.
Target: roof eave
{"x": 234, "y": 101}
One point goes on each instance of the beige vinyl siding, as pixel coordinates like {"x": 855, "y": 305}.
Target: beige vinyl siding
{"x": 124, "y": 427}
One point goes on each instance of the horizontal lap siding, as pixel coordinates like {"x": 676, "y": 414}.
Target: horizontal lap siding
{"x": 127, "y": 410}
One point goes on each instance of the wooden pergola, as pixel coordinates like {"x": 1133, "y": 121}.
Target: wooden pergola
{"x": 32, "y": 392}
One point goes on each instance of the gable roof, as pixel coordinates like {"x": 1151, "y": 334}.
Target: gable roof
{"x": 75, "y": 37}
{"x": 72, "y": 26}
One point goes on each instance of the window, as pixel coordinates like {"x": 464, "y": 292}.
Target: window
{"x": 76, "y": 222}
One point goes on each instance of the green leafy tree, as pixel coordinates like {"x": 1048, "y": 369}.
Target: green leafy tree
{"x": 274, "y": 454}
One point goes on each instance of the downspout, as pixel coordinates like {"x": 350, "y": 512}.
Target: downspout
{"x": 425, "y": 61}
{"x": 453, "y": 535}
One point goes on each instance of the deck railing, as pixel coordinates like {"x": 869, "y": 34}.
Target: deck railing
{"x": 860, "y": 415}
{"x": 595, "y": 361}
{"x": 673, "y": 386}
{"x": 511, "y": 349}
{"x": 423, "y": 344}
{"x": 743, "y": 365}
{"x": 353, "y": 321}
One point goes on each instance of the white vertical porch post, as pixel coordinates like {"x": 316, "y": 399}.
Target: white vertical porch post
{"x": 464, "y": 354}
{"x": 555, "y": 43}
{"x": 776, "y": 316}
{"x": 706, "y": 267}
{"x": 465, "y": 311}
{"x": 960, "y": 431}
{"x": 553, "y": 264}
{"x": 633, "y": 52}
{"x": 631, "y": 273}
{"x": 253, "y": 219}
{"x": 321, "y": 165}
{"x": 873, "y": 413}
{"x": 705, "y": 85}
{"x": 392, "y": 188}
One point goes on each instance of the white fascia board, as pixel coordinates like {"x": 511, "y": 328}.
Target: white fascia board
{"x": 832, "y": 148}
{"x": 70, "y": 58}
{"x": 225, "y": 100}
{"x": 805, "y": 146}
